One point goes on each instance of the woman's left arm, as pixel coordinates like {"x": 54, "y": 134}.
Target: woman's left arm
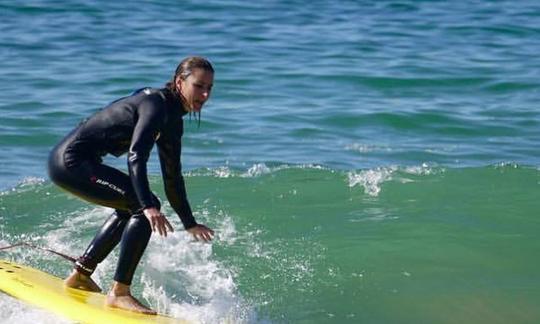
{"x": 169, "y": 150}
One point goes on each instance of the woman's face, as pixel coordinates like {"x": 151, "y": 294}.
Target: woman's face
{"x": 196, "y": 89}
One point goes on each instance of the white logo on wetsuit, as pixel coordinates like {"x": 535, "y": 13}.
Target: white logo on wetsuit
{"x": 110, "y": 185}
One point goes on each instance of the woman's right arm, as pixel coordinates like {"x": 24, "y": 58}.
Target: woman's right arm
{"x": 149, "y": 121}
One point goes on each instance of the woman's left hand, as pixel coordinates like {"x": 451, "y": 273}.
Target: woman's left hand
{"x": 202, "y": 232}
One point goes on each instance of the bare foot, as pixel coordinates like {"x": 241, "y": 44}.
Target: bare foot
{"x": 79, "y": 281}
{"x": 120, "y": 297}
{"x": 128, "y": 303}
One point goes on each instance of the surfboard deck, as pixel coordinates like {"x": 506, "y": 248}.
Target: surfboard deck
{"x": 48, "y": 292}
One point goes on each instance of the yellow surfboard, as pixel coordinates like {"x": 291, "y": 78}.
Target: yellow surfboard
{"x": 48, "y": 292}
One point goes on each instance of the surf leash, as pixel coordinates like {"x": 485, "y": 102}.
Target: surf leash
{"x": 67, "y": 257}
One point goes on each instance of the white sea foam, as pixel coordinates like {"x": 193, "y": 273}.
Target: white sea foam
{"x": 257, "y": 170}
{"x": 371, "y": 180}
{"x": 424, "y": 169}
{"x": 262, "y": 169}
{"x": 183, "y": 278}
{"x": 219, "y": 172}
{"x": 421, "y": 170}
{"x": 30, "y": 181}
{"x": 222, "y": 172}
{"x": 504, "y": 165}
{"x": 366, "y": 148}
{"x": 81, "y": 221}
{"x": 224, "y": 226}
{"x": 25, "y": 185}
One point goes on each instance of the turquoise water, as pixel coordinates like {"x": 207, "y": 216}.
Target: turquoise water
{"x": 372, "y": 162}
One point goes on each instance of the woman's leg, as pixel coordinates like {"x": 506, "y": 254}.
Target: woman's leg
{"x": 134, "y": 240}
{"x": 105, "y": 240}
{"x": 106, "y": 186}
{"x": 103, "y": 243}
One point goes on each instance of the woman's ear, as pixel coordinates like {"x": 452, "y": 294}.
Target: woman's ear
{"x": 178, "y": 83}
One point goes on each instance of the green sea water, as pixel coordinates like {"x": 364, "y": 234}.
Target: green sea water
{"x": 311, "y": 244}
{"x": 361, "y": 162}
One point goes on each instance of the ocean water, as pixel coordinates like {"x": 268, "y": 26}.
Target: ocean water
{"x": 360, "y": 161}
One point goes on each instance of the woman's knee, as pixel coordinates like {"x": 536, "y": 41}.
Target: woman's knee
{"x": 139, "y": 224}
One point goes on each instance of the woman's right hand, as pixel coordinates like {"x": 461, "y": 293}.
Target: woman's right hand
{"x": 158, "y": 221}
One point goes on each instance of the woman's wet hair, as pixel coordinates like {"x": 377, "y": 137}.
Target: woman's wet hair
{"x": 186, "y": 67}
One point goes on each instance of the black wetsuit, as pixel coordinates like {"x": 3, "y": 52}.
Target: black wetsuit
{"x": 131, "y": 124}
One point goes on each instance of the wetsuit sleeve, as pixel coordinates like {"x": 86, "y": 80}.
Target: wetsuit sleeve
{"x": 150, "y": 119}
{"x": 175, "y": 189}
